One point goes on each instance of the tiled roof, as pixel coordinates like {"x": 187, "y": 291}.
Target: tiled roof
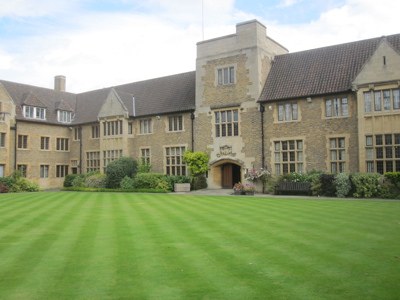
{"x": 170, "y": 94}
{"x": 175, "y": 93}
{"x": 39, "y": 97}
{"x": 319, "y": 71}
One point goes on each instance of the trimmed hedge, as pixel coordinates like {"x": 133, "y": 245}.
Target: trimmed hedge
{"x": 82, "y": 189}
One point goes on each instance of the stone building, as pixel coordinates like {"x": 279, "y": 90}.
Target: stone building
{"x": 249, "y": 104}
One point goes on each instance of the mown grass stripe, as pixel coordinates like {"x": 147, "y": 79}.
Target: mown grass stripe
{"x": 70, "y": 281}
{"x": 33, "y": 259}
{"x": 133, "y": 246}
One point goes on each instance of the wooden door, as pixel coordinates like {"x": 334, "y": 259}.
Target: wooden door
{"x": 227, "y": 176}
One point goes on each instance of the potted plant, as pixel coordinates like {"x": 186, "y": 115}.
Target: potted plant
{"x": 238, "y": 188}
{"x": 249, "y": 189}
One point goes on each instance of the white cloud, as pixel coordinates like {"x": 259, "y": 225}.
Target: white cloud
{"x": 287, "y": 3}
{"x": 102, "y": 49}
{"x": 35, "y": 8}
{"x": 355, "y": 20}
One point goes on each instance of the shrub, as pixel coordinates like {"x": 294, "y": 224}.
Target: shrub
{"x": 23, "y": 185}
{"x": 127, "y": 183}
{"x": 79, "y": 181}
{"x": 316, "y": 186}
{"x": 144, "y": 167}
{"x": 295, "y": 177}
{"x": 197, "y": 162}
{"x": 393, "y": 177}
{"x": 148, "y": 180}
{"x": 69, "y": 179}
{"x": 388, "y": 191}
{"x": 270, "y": 183}
{"x": 96, "y": 181}
{"x": 327, "y": 185}
{"x": 7, "y": 181}
{"x": 342, "y": 184}
{"x": 199, "y": 182}
{"x": 366, "y": 185}
{"x": 4, "y": 188}
{"x": 118, "y": 169}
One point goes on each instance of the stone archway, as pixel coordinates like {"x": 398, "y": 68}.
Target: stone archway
{"x": 225, "y": 173}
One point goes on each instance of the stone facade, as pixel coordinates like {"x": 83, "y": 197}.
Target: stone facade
{"x": 218, "y": 110}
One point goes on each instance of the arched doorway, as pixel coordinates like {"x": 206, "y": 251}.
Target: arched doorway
{"x": 230, "y": 174}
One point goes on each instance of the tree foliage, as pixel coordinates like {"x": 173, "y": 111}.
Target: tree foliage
{"x": 197, "y": 162}
{"x": 118, "y": 169}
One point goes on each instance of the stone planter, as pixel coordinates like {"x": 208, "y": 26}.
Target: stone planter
{"x": 238, "y": 192}
{"x": 250, "y": 193}
{"x": 181, "y": 187}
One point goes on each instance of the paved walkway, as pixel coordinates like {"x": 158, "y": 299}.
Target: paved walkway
{"x": 229, "y": 192}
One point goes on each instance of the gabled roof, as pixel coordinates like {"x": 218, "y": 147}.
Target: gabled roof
{"x": 39, "y": 97}
{"x": 164, "y": 95}
{"x": 319, "y": 71}
{"x": 61, "y": 105}
{"x": 31, "y": 100}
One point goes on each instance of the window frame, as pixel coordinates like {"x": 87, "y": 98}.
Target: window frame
{"x": 22, "y": 142}
{"x": 338, "y": 149}
{"x": 146, "y": 126}
{"x": 2, "y": 139}
{"x": 174, "y": 164}
{"x": 337, "y": 107}
{"x": 175, "y": 123}
{"x": 64, "y": 116}
{"x": 226, "y": 75}
{"x": 382, "y": 152}
{"x": 44, "y": 143}
{"x": 288, "y": 156}
{"x": 44, "y": 171}
{"x": 34, "y": 112}
{"x": 288, "y": 112}
{"x": 62, "y": 144}
{"x": 226, "y": 123}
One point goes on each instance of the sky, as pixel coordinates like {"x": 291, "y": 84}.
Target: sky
{"x": 103, "y": 43}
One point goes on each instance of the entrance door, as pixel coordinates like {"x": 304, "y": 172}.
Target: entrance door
{"x": 230, "y": 175}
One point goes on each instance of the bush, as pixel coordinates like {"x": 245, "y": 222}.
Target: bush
{"x": 127, "y": 183}
{"x": 342, "y": 184}
{"x": 118, "y": 169}
{"x": 23, "y": 185}
{"x": 199, "y": 182}
{"x": 144, "y": 167}
{"x": 4, "y": 188}
{"x": 79, "y": 181}
{"x": 69, "y": 179}
{"x": 96, "y": 181}
{"x": 388, "y": 191}
{"x": 366, "y": 185}
{"x": 393, "y": 177}
{"x": 294, "y": 177}
{"x": 197, "y": 162}
{"x": 7, "y": 181}
{"x": 148, "y": 180}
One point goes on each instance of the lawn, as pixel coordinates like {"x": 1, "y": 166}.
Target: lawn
{"x": 70, "y": 245}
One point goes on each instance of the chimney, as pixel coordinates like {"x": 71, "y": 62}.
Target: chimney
{"x": 59, "y": 83}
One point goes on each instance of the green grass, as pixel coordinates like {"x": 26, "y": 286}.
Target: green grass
{"x": 145, "y": 246}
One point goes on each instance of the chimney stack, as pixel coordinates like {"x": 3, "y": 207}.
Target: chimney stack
{"x": 59, "y": 83}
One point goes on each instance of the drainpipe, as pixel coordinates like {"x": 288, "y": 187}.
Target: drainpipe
{"x": 15, "y": 144}
{"x": 192, "y": 118}
{"x": 262, "y": 109}
{"x": 80, "y": 149}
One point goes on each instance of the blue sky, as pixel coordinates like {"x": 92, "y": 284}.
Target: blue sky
{"x": 97, "y": 44}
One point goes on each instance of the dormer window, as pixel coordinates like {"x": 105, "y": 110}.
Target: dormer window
{"x": 64, "y": 116}
{"x": 33, "y": 112}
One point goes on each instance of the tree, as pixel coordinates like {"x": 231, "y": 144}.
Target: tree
{"x": 118, "y": 169}
{"x": 197, "y": 162}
